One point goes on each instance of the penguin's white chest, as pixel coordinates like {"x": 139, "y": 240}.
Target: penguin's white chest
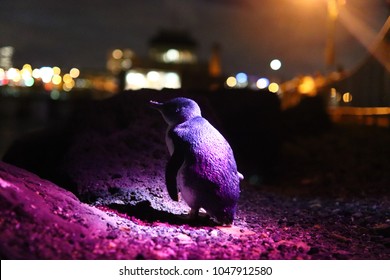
{"x": 187, "y": 189}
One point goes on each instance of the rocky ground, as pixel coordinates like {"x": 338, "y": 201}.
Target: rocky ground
{"x": 325, "y": 197}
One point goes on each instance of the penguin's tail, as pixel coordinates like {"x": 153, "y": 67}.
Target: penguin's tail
{"x": 240, "y": 176}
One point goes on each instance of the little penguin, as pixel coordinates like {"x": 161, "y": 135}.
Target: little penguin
{"x": 202, "y": 167}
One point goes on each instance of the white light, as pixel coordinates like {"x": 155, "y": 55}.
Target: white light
{"x": 172, "y": 80}
{"x": 153, "y": 76}
{"x": 25, "y": 74}
{"x": 171, "y": 55}
{"x": 275, "y": 64}
{"x": 36, "y": 73}
{"x": 262, "y": 83}
{"x": 135, "y": 80}
{"x": 46, "y": 74}
{"x": 2, "y": 74}
{"x": 13, "y": 74}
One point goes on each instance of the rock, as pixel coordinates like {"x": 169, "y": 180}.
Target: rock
{"x": 313, "y": 251}
{"x": 40, "y": 220}
{"x": 382, "y": 229}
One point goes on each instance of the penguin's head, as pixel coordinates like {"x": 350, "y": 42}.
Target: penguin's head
{"x": 177, "y": 110}
{"x": 225, "y": 215}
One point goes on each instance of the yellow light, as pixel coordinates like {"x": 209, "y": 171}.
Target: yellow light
{"x": 347, "y": 97}
{"x": 74, "y": 73}
{"x": 231, "y": 82}
{"x": 56, "y": 70}
{"x": 333, "y": 9}
{"x": 333, "y": 93}
{"x": 68, "y": 86}
{"x": 56, "y": 79}
{"x": 67, "y": 78}
{"x": 27, "y": 67}
{"x": 117, "y": 54}
{"x": 273, "y": 87}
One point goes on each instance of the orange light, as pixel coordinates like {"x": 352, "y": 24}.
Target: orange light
{"x": 307, "y": 86}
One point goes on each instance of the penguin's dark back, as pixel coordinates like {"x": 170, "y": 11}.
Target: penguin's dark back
{"x": 208, "y": 151}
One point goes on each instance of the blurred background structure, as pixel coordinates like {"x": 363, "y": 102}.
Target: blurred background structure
{"x": 55, "y": 54}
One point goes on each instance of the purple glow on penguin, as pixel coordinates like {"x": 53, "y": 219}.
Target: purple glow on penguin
{"x": 202, "y": 166}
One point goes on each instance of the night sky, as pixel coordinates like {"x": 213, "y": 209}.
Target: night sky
{"x": 250, "y": 32}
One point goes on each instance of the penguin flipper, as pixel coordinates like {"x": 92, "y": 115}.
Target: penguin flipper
{"x": 173, "y": 166}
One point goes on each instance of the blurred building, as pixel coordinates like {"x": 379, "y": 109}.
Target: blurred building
{"x": 369, "y": 84}
{"x": 172, "y": 62}
{"x": 6, "y": 54}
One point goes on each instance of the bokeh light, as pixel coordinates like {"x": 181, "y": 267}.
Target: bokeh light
{"x": 46, "y": 74}
{"x": 172, "y": 80}
{"x": 36, "y": 73}
{"x": 74, "y": 73}
{"x": 56, "y": 80}
{"x": 273, "y": 87}
{"x": 307, "y": 86}
{"x": 153, "y": 76}
{"x": 231, "y": 82}
{"x": 117, "y": 54}
{"x": 29, "y": 82}
{"x": 262, "y": 83}
{"x": 242, "y": 78}
{"x": 56, "y": 70}
{"x": 172, "y": 55}
{"x": 347, "y": 97}
{"x": 275, "y": 64}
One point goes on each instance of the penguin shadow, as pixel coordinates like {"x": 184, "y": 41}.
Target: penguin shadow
{"x": 145, "y": 212}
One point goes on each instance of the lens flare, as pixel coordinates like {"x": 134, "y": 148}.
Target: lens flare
{"x": 368, "y": 36}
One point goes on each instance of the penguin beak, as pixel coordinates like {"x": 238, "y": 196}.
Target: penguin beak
{"x": 155, "y": 105}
